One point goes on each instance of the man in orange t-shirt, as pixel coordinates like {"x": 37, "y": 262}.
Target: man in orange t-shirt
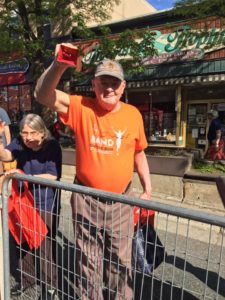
{"x": 110, "y": 141}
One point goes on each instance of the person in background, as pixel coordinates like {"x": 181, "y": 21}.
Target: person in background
{"x": 222, "y": 120}
{"x": 110, "y": 140}
{"x": 215, "y": 149}
{"x": 58, "y": 132}
{"x": 37, "y": 154}
{"x": 6, "y": 139}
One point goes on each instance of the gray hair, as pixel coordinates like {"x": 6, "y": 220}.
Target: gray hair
{"x": 36, "y": 123}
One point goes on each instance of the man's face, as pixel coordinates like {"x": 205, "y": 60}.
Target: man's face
{"x": 108, "y": 91}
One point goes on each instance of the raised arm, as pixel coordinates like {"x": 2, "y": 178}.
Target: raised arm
{"x": 142, "y": 168}
{"x": 46, "y": 92}
{"x": 5, "y": 155}
{"x": 7, "y": 134}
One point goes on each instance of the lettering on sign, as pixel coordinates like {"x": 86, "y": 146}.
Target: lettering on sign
{"x": 182, "y": 44}
{"x": 16, "y": 66}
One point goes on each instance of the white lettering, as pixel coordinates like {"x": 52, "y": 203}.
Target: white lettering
{"x": 102, "y": 141}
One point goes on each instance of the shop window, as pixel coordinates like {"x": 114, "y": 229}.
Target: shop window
{"x": 16, "y": 100}
{"x": 197, "y": 125}
{"x": 158, "y": 110}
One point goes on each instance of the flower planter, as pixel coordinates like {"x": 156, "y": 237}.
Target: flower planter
{"x": 169, "y": 165}
{"x": 163, "y": 165}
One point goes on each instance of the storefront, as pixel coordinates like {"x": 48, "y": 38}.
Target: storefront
{"x": 15, "y": 91}
{"x": 181, "y": 83}
{"x": 157, "y": 107}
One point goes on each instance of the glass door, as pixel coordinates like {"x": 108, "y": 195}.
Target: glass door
{"x": 197, "y": 125}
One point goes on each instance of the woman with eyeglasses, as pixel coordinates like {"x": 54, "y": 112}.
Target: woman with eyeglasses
{"x": 37, "y": 154}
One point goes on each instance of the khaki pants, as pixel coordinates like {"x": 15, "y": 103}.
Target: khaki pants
{"x": 103, "y": 237}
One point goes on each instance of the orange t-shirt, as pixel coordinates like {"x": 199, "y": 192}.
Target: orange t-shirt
{"x": 105, "y": 142}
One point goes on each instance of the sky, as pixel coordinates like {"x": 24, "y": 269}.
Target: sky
{"x": 161, "y": 4}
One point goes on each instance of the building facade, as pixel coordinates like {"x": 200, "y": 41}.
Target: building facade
{"x": 181, "y": 83}
{"x": 16, "y": 90}
{"x": 173, "y": 94}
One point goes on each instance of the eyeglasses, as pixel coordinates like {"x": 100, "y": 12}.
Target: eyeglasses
{"x": 31, "y": 133}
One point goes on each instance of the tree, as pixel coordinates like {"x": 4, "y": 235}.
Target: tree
{"x": 130, "y": 47}
{"x": 31, "y": 28}
{"x": 200, "y": 8}
{"x": 24, "y": 25}
{"x": 27, "y": 26}
{"x": 25, "y": 29}
{"x": 202, "y": 14}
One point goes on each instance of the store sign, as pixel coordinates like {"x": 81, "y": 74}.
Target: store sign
{"x": 16, "y": 66}
{"x": 175, "y": 56}
{"x": 184, "y": 38}
{"x": 179, "y": 45}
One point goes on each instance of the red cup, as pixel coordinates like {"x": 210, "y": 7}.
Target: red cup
{"x": 67, "y": 55}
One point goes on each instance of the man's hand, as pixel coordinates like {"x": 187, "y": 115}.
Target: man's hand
{"x": 66, "y": 54}
{"x": 83, "y": 49}
{"x": 146, "y": 195}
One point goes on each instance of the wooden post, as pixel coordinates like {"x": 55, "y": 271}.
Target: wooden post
{"x": 178, "y": 119}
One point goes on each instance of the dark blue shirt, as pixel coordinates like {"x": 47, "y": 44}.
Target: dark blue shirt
{"x": 47, "y": 160}
{"x": 213, "y": 127}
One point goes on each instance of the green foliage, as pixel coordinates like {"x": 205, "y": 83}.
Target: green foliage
{"x": 200, "y": 8}
{"x": 23, "y": 23}
{"x": 208, "y": 167}
{"x": 23, "y": 26}
{"x": 129, "y": 47}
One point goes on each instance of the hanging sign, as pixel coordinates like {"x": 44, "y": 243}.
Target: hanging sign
{"x": 16, "y": 66}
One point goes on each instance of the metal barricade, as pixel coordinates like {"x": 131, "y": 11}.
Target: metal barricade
{"x": 193, "y": 266}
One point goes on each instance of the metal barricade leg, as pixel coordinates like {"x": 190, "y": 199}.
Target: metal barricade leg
{"x": 6, "y": 269}
{"x": 194, "y": 241}
{"x": 1, "y": 260}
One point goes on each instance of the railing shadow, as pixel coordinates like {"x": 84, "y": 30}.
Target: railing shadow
{"x": 66, "y": 267}
{"x": 148, "y": 287}
{"x": 209, "y": 278}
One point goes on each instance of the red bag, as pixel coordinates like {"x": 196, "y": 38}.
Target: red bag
{"x": 25, "y": 222}
{"x": 143, "y": 215}
{"x": 213, "y": 154}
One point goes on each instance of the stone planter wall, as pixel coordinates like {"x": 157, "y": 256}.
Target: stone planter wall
{"x": 163, "y": 165}
{"x": 167, "y": 183}
{"x": 170, "y": 165}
